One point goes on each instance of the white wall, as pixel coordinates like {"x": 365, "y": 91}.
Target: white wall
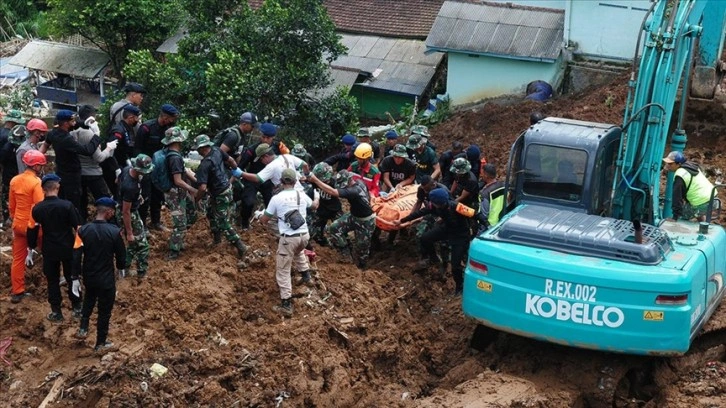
{"x": 470, "y": 79}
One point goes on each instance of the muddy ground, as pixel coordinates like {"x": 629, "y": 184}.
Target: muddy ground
{"x": 383, "y": 337}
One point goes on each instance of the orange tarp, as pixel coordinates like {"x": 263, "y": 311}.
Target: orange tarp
{"x": 394, "y": 207}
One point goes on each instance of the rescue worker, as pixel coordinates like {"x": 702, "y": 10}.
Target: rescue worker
{"x": 274, "y": 165}
{"x": 365, "y": 170}
{"x": 329, "y": 207}
{"x": 67, "y": 150}
{"x": 148, "y": 141}
{"x": 229, "y": 140}
{"x": 492, "y": 199}
{"x": 299, "y": 151}
{"x": 290, "y": 207}
{"x": 130, "y": 185}
{"x": 454, "y": 230}
{"x": 134, "y": 95}
{"x": 692, "y": 191}
{"x": 424, "y": 157}
{"x": 397, "y": 169}
{"x": 361, "y": 219}
{"x": 102, "y": 244}
{"x": 473, "y": 154}
{"x": 9, "y": 164}
{"x": 124, "y": 132}
{"x": 391, "y": 141}
{"x": 342, "y": 160}
{"x": 212, "y": 177}
{"x": 180, "y": 197}
{"x": 91, "y": 173}
{"x": 249, "y": 162}
{"x": 445, "y": 161}
{"x": 57, "y": 220}
{"x": 25, "y": 193}
{"x": 422, "y": 201}
{"x": 36, "y": 130}
{"x": 465, "y": 187}
{"x": 364, "y": 136}
{"x": 423, "y": 131}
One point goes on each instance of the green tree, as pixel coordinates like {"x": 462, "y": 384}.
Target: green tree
{"x": 117, "y": 26}
{"x": 267, "y": 60}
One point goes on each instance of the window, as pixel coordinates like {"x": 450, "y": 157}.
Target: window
{"x": 554, "y": 172}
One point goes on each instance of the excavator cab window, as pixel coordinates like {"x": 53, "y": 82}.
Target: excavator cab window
{"x": 554, "y": 172}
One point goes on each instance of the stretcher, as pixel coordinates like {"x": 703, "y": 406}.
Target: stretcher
{"x": 394, "y": 206}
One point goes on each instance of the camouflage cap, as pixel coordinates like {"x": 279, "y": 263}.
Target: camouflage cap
{"x": 143, "y": 164}
{"x": 460, "y": 166}
{"x": 420, "y": 130}
{"x": 343, "y": 178}
{"x": 15, "y": 116}
{"x": 173, "y": 135}
{"x": 298, "y": 150}
{"x": 363, "y": 132}
{"x": 18, "y": 134}
{"x": 202, "y": 141}
{"x": 323, "y": 171}
{"x": 414, "y": 141}
{"x": 399, "y": 150}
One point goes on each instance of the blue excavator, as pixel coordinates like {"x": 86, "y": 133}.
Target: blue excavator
{"x": 586, "y": 254}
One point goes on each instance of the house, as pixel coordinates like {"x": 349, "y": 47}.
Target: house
{"x": 79, "y": 72}
{"x": 387, "y": 65}
{"x": 497, "y": 48}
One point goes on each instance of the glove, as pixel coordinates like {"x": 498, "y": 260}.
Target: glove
{"x": 118, "y": 172}
{"x": 76, "y": 287}
{"x": 93, "y": 125}
{"x": 391, "y": 191}
{"x": 111, "y": 146}
{"x": 29, "y": 262}
{"x": 122, "y": 273}
{"x": 237, "y": 172}
{"x": 258, "y": 214}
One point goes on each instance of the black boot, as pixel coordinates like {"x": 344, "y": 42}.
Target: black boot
{"x": 241, "y": 248}
{"x": 305, "y": 279}
{"x": 217, "y": 237}
{"x": 285, "y": 307}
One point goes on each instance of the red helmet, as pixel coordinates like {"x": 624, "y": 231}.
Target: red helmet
{"x": 36, "y": 124}
{"x": 33, "y": 158}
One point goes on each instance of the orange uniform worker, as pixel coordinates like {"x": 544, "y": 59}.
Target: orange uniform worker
{"x": 25, "y": 192}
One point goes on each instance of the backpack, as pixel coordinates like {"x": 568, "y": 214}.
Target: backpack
{"x": 219, "y": 137}
{"x": 160, "y": 175}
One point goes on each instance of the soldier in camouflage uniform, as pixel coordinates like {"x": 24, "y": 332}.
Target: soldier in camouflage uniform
{"x": 329, "y": 209}
{"x": 178, "y": 198}
{"x": 212, "y": 177}
{"x": 361, "y": 219}
{"x": 130, "y": 185}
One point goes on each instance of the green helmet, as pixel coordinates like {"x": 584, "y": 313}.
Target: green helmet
{"x": 343, "y": 178}
{"x": 173, "y": 135}
{"x": 323, "y": 171}
{"x": 143, "y": 164}
{"x": 202, "y": 141}
{"x": 460, "y": 166}
{"x": 298, "y": 150}
{"x": 18, "y": 134}
{"x": 420, "y": 130}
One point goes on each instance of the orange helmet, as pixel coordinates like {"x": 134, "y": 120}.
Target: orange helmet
{"x": 36, "y": 124}
{"x": 33, "y": 158}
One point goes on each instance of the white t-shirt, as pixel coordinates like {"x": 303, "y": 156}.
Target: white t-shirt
{"x": 285, "y": 201}
{"x": 273, "y": 170}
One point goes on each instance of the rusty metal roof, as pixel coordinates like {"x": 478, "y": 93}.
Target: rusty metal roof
{"x": 80, "y": 62}
{"x": 498, "y": 29}
{"x": 394, "y": 65}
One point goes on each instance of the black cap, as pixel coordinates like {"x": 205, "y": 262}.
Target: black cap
{"x": 134, "y": 87}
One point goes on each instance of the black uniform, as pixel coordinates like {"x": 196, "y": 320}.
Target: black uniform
{"x": 454, "y": 229}
{"x": 58, "y": 220}
{"x": 213, "y": 172}
{"x": 397, "y": 173}
{"x": 148, "y": 141}
{"x": 124, "y": 134}
{"x": 445, "y": 160}
{"x": 67, "y": 164}
{"x": 248, "y": 198}
{"x": 101, "y": 243}
{"x": 342, "y": 160}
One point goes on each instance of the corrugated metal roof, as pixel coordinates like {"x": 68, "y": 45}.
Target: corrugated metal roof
{"x": 498, "y": 29}
{"x": 171, "y": 45}
{"x": 398, "y": 65}
{"x": 340, "y": 78}
{"x": 80, "y": 62}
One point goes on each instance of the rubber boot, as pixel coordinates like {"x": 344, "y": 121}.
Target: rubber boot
{"x": 217, "y": 237}
{"x": 241, "y": 248}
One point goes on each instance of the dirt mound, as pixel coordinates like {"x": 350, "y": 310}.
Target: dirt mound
{"x": 381, "y": 337}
